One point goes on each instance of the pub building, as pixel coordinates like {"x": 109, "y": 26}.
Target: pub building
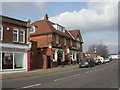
{"x": 14, "y": 44}
{"x": 53, "y": 45}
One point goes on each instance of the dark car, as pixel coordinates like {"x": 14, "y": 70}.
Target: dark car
{"x": 87, "y": 62}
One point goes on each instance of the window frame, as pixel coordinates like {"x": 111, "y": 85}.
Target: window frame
{"x": 71, "y": 42}
{"x": 65, "y": 41}
{"x": 57, "y": 39}
{"x": 17, "y": 34}
{"x": 23, "y": 36}
{"x": 1, "y": 38}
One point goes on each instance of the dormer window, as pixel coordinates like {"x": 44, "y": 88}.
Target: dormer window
{"x": 59, "y": 27}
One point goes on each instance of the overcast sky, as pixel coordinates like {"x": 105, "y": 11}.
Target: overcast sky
{"x": 97, "y": 21}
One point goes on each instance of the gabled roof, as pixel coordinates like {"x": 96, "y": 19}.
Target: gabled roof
{"x": 76, "y": 34}
{"x": 45, "y": 26}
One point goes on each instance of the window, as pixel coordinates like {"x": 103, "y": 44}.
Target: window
{"x": 15, "y": 35}
{"x": 71, "y": 42}
{"x": 53, "y": 54}
{"x": 38, "y": 53}
{"x": 7, "y": 61}
{"x": 22, "y": 36}
{"x": 13, "y": 60}
{"x": 65, "y": 41}
{"x": 78, "y": 44}
{"x": 31, "y": 53}
{"x": 57, "y": 39}
{"x": 1, "y": 32}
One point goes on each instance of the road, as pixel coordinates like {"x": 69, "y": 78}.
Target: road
{"x": 101, "y": 76}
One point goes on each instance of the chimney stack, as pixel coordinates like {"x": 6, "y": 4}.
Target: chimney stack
{"x": 46, "y": 17}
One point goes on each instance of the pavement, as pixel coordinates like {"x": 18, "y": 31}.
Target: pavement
{"x": 37, "y": 72}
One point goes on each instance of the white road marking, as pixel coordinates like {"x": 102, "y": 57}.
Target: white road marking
{"x": 31, "y": 85}
{"x": 66, "y": 77}
{"x": 27, "y": 86}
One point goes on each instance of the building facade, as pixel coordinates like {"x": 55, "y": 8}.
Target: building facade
{"x": 14, "y": 44}
{"x": 55, "y": 45}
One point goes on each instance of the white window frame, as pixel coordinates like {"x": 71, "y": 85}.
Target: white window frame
{"x": 23, "y": 36}
{"x": 57, "y": 39}
{"x": 1, "y": 38}
{"x": 17, "y": 34}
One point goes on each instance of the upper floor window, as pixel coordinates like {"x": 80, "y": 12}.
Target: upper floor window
{"x": 64, "y": 41}
{"x": 71, "y": 42}
{"x": 59, "y": 27}
{"x": 15, "y": 35}
{"x": 22, "y": 36}
{"x": 57, "y": 39}
{"x": 1, "y": 32}
{"x": 78, "y": 44}
{"x": 33, "y": 28}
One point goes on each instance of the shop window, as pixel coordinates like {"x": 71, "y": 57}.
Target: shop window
{"x": 1, "y": 32}
{"x": 7, "y": 61}
{"x": 22, "y": 36}
{"x": 18, "y": 60}
{"x": 15, "y": 35}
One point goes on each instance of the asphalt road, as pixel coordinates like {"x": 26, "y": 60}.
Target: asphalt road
{"x": 101, "y": 76}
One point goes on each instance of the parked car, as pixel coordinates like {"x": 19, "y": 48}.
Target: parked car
{"x": 97, "y": 61}
{"x": 87, "y": 62}
{"x": 106, "y": 60}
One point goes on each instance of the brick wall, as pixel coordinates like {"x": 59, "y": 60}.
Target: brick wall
{"x": 33, "y": 57}
{"x": 11, "y": 24}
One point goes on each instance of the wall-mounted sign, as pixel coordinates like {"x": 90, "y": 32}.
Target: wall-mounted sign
{"x": 13, "y": 49}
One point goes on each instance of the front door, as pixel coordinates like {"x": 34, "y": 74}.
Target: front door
{"x": 48, "y": 62}
{"x": 59, "y": 58}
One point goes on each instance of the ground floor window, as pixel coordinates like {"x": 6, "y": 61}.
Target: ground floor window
{"x": 7, "y": 60}
{"x": 12, "y": 60}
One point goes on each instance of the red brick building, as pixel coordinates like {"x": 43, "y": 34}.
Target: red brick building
{"x": 14, "y": 42}
{"x": 55, "y": 45}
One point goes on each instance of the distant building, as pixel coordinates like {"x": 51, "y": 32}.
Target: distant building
{"x": 55, "y": 45}
{"x": 15, "y": 48}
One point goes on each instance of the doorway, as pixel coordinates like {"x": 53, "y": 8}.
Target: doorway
{"x": 60, "y": 57}
{"x": 48, "y": 62}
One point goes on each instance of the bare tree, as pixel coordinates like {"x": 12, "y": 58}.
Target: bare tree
{"x": 101, "y": 50}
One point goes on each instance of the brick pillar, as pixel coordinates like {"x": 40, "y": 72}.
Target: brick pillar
{"x": 28, "y": 60}
{"x": 44, "y": 61}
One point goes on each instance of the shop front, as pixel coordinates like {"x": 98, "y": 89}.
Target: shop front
{"x": 14, "y": 58}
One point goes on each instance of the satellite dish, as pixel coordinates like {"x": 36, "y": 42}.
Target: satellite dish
{"x": 32, "y": 29}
